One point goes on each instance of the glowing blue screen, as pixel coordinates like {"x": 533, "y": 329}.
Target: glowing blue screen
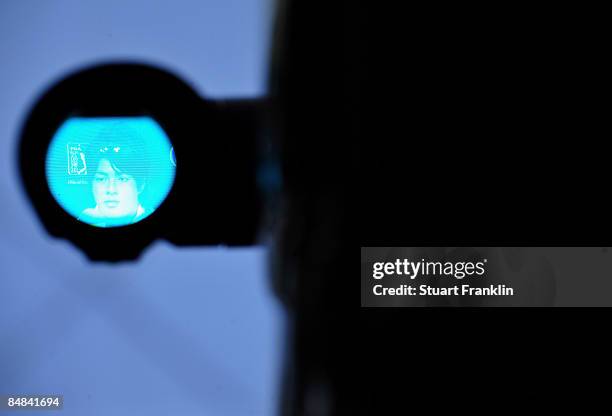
{"x": 110, "y": 171}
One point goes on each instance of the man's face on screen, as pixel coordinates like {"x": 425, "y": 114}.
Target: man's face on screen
{"x": 115, "y": 192}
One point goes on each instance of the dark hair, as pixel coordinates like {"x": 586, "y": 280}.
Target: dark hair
{"x": 123, "y": 147}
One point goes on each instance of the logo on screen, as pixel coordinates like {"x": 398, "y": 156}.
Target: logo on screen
{"x": 76, "y": 159}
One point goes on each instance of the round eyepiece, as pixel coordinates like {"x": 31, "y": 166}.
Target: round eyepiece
{"x": 110, "y": 171}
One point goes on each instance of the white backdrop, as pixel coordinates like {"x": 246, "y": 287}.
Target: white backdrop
{"x": 182, "y": 331}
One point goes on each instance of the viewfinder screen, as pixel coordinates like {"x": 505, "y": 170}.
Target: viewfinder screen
{"x": 110, "y": 171}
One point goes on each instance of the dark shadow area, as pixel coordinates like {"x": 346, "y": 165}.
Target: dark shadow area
{"x": 480, "y": 126}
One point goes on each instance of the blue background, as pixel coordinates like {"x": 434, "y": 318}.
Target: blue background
{"x": 184, "y": 330}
